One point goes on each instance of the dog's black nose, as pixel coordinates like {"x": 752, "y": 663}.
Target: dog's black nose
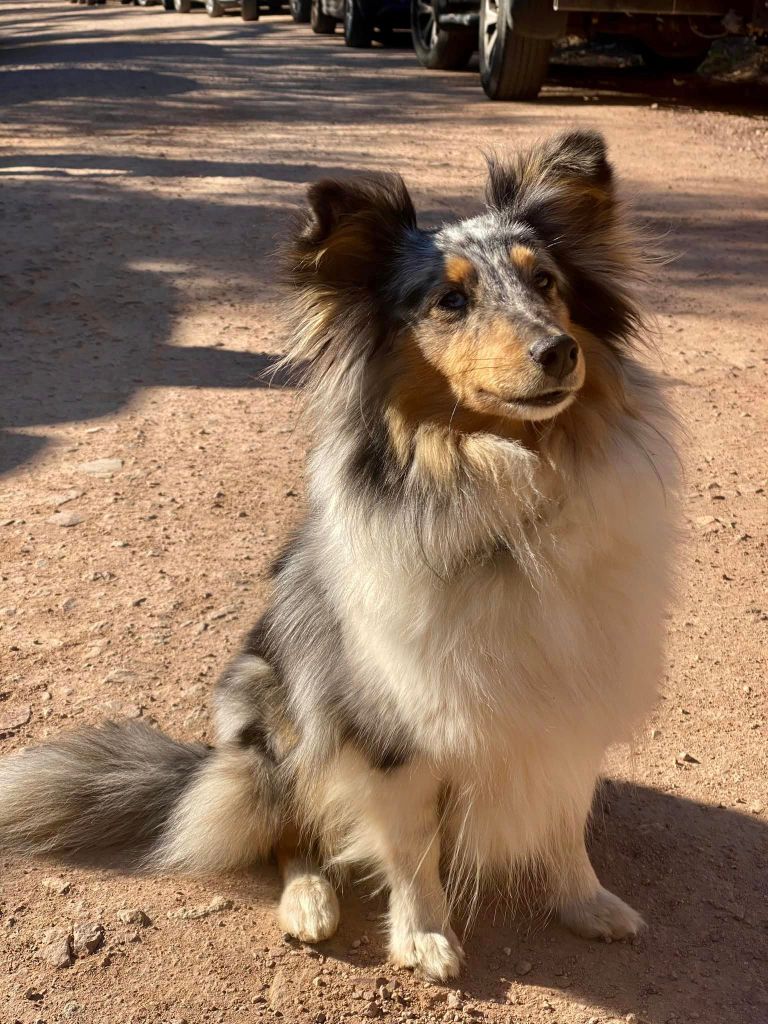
{"x": 557, "y": 355}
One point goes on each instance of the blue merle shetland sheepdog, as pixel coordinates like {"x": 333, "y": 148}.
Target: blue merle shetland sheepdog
{"x": 471, "y": 610}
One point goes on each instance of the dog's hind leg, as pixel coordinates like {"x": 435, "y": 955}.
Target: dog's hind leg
{"x": 309, "y": 909}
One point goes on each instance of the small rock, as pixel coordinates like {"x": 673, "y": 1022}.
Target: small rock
{"x": 56, "y": 947}
{"x": 523, "y": 967}
{"x": 70, "y": 1009}
{"x": 685, "y": 758}
{"x": 507, "y": 951}
{"x": 87, "y": 938}
{"x": 62, "y": 499}
{"x": 120, "y": 675}
{"x": 13, "y": 716}
{"x": 33, "y": 995}
{"x": 59, "y": 886}
{"x": 756, "y": 809}
{"x": 101, "y": 467}
{"x": 454, "y": 1001}
{"x": 67, "y": 604}
{"x": 65, "y": 519}
{"x": 217, "y": 905}
{"x": 132, "y": 915}
{"x": 356, "y": 944}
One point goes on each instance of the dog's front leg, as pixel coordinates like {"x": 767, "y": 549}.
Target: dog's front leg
{"x": 402, "y": 826}
{"x": 583, "y": 904}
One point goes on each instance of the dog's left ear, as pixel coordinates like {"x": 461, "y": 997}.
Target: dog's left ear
{"x": 564, "y": 189}
{"x": 351, "y": 232}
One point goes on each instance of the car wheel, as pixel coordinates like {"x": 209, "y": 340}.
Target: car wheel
{"x": 322, "y": 24}
{"x": 214, "y": 9}
{"x": 512, "y": 66}
{"x": 358, "y": 30}
{"x": 249, "y": 10}
{"x": 182, "y": 6}
{"x": 168, "y": 5}
{"x": 437, "y": 48}
{"x": 300, "y": 10}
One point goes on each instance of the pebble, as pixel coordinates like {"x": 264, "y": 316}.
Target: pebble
{"x": 217, "y": 905}
{"x": 524, "y": 967}
{"x": 33, "y": 995}
{"x": 507, "y": 951}
{"x": 132, "y": 915}
{"x": 101, "y": 467}
{"x": 70, "y": 1009}
{"x": 120, "y": 675}
{"x": 685, "y": 758}
{"x": 454, "y": 1001}
{"x": 56, "y": 947}
{"x": 59, "y": 886}
{"x": 87, "y": 938}
{"x": 62, "y": 499}
{"x": 65, "y": 519}
{"x": 13, "y": 716}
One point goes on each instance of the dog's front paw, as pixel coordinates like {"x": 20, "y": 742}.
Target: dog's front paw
{"x": 604, "y": 916}
{"x": 309, "y": 909}
{"x": 438, "y": 955}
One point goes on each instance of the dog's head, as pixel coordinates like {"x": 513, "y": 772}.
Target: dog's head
{"x": 485, "y": 324}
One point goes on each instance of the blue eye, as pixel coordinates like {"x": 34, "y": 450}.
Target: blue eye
{"x": 452, "y": 300}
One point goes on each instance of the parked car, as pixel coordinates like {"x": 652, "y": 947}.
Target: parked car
{"x": 362, "y": 19}
{"x": 250, "y": 10}
{"x": 514, "y": 37}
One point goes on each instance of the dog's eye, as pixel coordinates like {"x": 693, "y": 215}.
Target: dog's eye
{"x": 452, "y": 300}
{"x": 543, "y": 280}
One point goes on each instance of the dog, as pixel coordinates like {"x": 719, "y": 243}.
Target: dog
{"x": 471, "y": 610}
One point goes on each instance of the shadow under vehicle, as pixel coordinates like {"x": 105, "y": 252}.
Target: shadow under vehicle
{"x": 514, "y": 38}
{"x": 362, "y": 20}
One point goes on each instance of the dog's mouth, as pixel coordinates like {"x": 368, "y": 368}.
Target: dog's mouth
{"x": 540, "y": 403}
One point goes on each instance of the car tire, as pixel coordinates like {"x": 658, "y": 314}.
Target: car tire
{"x": 301, "y": 10}
{"x": 249, "y": 10}
{"x": 358, "y": 29}
{"x": 437, "y": 48}
{"x": 512, "y": 66}
{"x": 214, "y": 9}
{"x": 168, "y": 5}
{"x": 182, "y": 6}
{"x": 322, "y": 24}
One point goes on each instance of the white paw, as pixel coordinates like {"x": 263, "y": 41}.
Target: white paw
{"x": 436, "y": 954}
{"x": 309, "y": 909}
{"x": 604, "y": 916}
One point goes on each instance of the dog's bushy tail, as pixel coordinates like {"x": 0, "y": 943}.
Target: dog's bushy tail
{"x": 129, "y": 785}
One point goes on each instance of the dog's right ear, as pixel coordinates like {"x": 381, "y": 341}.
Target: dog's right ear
{"x": 351, "y": 232}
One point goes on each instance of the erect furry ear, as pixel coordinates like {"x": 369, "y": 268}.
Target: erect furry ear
{"x": 564, "y": 190}
{"x": 339, "y": 265}
{"x": 575, "y": 161}
{"x": 351, "y": 231}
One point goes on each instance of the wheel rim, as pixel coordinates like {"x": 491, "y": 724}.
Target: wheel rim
{"x": 426, "y": 24}
{"x": 490, "y": 34}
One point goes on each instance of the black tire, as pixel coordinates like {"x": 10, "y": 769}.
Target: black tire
{"x": 512, "y": 66}
{"x": 300, "y": 10}
{"x": 168, "y": 5}
{"x": 249, "y": 10}
{"x": 214, "y": 9}
{"x": 322, "y": 24}
{"x": 436, "y": 48}
{"x": 358, "y": 28}
{"x": 182, "y": 6}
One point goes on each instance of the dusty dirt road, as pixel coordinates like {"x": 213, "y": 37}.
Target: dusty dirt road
{"x": 150, "y": 163}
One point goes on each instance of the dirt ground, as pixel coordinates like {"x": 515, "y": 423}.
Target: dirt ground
{"x": 150, "y": 164}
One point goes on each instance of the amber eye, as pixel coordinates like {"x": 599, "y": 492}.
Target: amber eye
{"x": 543, "y": 280}
{"x": 452, "y": 300}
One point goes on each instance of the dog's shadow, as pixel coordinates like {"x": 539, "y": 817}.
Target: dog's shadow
{"x": 698, "y": 874}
